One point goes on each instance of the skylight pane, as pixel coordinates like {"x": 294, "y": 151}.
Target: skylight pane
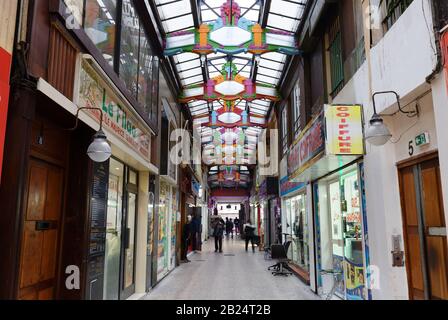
{"x": 174, "y": 9}
{"x": 179, "y": 23}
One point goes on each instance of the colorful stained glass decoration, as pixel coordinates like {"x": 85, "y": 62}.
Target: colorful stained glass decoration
{"x": 231, "y": 34}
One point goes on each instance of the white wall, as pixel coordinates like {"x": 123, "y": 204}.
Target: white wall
{"x": 401, "y": 61}
{"x": 440, "y": 97}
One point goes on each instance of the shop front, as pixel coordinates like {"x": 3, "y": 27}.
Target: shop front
{"x": 269, "y": 200}
{"x": 328, "y": 157}
{"x": 341, "y": 232}
{"x": 127, "y": 187}
{"x": 166, "y": 249}
{"x": 293, "y": 224}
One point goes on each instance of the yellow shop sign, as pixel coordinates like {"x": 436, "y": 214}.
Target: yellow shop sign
{"x": 344, "y": 130}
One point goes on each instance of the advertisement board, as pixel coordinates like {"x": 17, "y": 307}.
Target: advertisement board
{"x": 117, "y": 118}
{"x": 344, "y": 131}
{"x": 309, "y": 144}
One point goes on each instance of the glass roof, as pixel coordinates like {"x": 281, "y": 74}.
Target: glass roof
{"x": 177, "y": 15}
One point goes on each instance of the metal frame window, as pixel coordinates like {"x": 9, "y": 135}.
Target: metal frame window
{"x": 115, "y": 28}
{"x": 285, "y": 129}
{"x": 336, "y": 62}
{"x": 296, "y": 104}
{"x": 393, "y": 11}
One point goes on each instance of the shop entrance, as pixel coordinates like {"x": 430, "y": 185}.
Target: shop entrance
{"x": 424, "y": 229}
{"x": 340, "y": 238}
{"x": 41, "y": 229}
{"x": 119, "y": 273}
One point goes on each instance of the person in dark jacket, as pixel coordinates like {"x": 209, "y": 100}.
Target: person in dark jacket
{"x": 236, "y": 222}
{"x": 249, "y": 230}
{"x": 186, "y": 238}
{"x": 195, "y": 232}
{"x": 218, "y": 233}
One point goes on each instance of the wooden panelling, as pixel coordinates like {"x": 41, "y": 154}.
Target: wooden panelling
{"x": 432, "y": 200}
{"x": 39, "y": 256}
{"x": 55, "y": 187}
{"x": 426, "y": 252}
{"x": 31, "y": 255}
{"x": 61, "y": 63}
{"x": 438, "y": 266}
{"x": 36, "y": 200}
{"x": 38, "y": 38}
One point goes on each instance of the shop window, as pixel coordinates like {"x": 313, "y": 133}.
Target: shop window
{"x": 340, "y": 235}
{"x": 336, "y": 61}
{"x": 76, "y": 9}
{"x": 296, "y": 104}
{"x": 129, "y": 47}
{"x": 155, "y": 90}
{"x": 285, "y": 129}
{"x": 393, "y": 9}
{"x": 100, "y": 25}
{"x": 127, "y": 50}
{"x": 145, "y": 74}
{"x": 297, "y": 229}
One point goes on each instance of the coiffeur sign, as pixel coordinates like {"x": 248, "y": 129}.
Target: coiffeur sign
{"x": 5, "y": 69}
{"x": 344, "y": 130}
{"x": 117, "y": 119}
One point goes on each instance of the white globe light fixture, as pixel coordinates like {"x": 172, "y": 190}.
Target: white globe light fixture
{"x": 377, "y": 133}
{"x": 99, "y": 150}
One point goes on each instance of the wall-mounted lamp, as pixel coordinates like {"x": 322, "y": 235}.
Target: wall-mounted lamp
{"x": 377, "y": 133}
{"x": 99, "y": 150}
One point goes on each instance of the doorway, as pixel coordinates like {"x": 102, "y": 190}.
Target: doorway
{"x": 41, "y": 231}
{"x": 424, "y": 228}
{"x": 119, "y": 278}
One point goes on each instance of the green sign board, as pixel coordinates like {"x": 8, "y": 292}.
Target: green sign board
{"x": 422, "y": 139}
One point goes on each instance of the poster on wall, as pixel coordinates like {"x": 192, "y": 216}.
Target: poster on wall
{"x": 162, "y": 248}
{"x": 354, "y": 281}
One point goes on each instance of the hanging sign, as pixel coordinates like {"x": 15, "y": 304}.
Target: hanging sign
{"x": 344, "y": 130}
{"x": 5, "y": 67}
{"x": 308, "y": 145}
{"x": 117, "y": 119}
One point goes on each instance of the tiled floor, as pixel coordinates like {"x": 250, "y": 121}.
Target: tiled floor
{"x": 232, "y": 275}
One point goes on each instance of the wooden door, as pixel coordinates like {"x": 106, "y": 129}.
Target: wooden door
{"x": 424, "y": 230}
{"x": 39, "y": 255}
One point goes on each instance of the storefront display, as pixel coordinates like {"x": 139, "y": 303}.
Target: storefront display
{"x": 296, "y": 227}
{"x": 119, "y": 268}
{"x": 166, "y": 252}
{"x": 340, "y": 228}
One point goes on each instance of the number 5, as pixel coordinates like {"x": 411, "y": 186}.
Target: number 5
{"x": 411, "y": 148}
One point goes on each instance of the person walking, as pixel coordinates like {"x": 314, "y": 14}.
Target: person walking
{"x": 186, "y": 238}
{"x": 227, "y": 227}
{"x": 249, "y": 230}
{"x": 236, "y": 222}
{"x": 195, "y": 230}
{"x": 218, "y": 233}
{"x": 231, "y": 225}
